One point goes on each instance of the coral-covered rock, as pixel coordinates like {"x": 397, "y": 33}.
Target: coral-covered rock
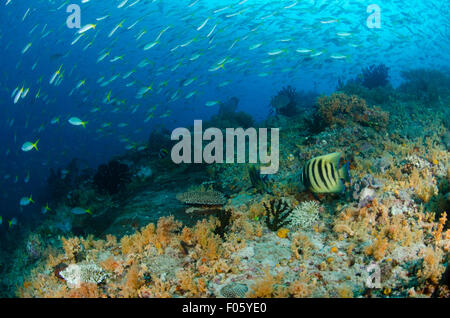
{"x": 341, "y": 109}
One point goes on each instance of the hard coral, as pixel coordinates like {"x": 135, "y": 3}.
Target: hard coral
{"x": 74, "y": 274}
{"x": 202, "y": 202}
{"x": 305, "y": 215}
{"x": 234, "y": 290}
{"x": 209, "y": 197}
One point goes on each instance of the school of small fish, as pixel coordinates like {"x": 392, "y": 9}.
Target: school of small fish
{"x": 132, "y": 65}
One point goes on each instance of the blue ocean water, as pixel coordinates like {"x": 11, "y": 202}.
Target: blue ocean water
{"x": 163, "y": 63}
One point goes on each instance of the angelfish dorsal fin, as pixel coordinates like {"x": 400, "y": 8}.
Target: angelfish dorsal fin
{"x": 333, "y": 158}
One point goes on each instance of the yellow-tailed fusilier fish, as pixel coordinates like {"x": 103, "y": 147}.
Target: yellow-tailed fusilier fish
{"x": 12, "y": 222}
{"x": 80, "y": 211}
{"x": 323, "y": 175}
{"x": 26, "y": 201}
{"x": 86, "y": 28}
{"x": 77, "y": 122}
{"x": 29, "y": 146}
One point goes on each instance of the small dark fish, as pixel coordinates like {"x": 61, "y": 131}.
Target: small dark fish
{"x": 163, "y": 152}
{"x": 56, "y": 56}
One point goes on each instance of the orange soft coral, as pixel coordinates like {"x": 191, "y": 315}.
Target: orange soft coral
{"x": 268, "y": 286}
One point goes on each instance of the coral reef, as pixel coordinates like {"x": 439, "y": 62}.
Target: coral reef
{"x": 280, "y": 241}
{"x": 425, "y": 85}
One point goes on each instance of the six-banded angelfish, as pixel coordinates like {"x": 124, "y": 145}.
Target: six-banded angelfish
{"x": 323, "y": 175}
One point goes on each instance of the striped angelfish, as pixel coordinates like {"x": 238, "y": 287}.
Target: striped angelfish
{"x": 322, "y": 175}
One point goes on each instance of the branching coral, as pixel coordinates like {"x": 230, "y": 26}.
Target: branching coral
{"x": 424, "y": 184}
{"x": 159, "y": 237}
{"x": 75, "y": 274}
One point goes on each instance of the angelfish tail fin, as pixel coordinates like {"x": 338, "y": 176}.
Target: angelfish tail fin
{"x": 344, "y": 172}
